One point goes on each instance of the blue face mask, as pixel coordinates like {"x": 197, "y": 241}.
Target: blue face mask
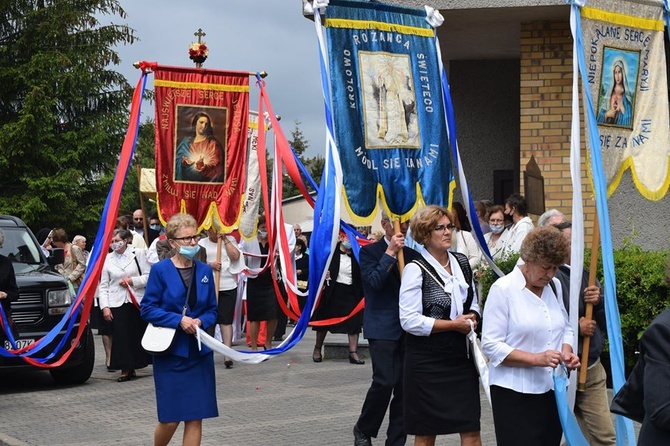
{"x": 346, "y": 244}
{"x": 189, "y": 251}
{"x": 262, "y": 234}
{"x": 497, "y": 229}
{"x": 155, "y": 227}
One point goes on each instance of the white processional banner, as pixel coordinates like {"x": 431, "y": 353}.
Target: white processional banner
{"x": 626, "y": 74}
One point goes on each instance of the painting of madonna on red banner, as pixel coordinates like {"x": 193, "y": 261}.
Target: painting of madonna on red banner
{"x": 200, "y": 157}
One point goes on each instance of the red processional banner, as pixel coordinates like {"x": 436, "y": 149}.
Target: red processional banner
{"x": 201, "y": 143}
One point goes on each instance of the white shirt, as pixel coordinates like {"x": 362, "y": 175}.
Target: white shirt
{"x": 411, "y": 315}
{"x": 496, "y": 249}
{"x": 118, "y": 266}
{"x": 513, "y": 237}
{"x": 344, "y": 275}
{"x": 515, "y": 318}
{"x": 464, "y": 242}
{"x": 227, "y": 280}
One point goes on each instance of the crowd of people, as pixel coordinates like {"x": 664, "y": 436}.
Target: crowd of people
{"x": 419, "y": 282}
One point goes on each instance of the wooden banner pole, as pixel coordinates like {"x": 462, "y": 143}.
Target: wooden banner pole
{"x": 588, "y": 314}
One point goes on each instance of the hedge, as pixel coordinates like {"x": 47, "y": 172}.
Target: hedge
{"x": 642, "y": 291}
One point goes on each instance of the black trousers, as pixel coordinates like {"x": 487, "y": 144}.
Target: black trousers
{"x": 525, "y": 419}
{"x": 387, "y": 365}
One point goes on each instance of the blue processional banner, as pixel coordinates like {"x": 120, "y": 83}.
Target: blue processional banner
{"x": 626, "y": 73}
{"x": 388, "y": 112}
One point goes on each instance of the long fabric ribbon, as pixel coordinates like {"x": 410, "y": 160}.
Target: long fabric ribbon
{"x": 84, "y": 300}
{"x": 624, "y": 427}
{"x": 571, "y": 431}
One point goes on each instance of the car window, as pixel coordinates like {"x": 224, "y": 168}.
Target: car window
{"x": 20, "y": 247}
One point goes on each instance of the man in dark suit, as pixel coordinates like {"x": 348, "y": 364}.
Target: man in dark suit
{"x": 381, "y": 327}
{"x": 649, "y": 383}
{"x": 591, "y": 403}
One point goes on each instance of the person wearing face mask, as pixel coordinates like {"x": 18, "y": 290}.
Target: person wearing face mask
{"x": 261, "y": 298}
{"x": 498, "y": 232}
{"x": 124, "y": 277}
{"x": 181, "y": 294}
{"x": 516, "y": 213}
{"x": 342, "y": 293}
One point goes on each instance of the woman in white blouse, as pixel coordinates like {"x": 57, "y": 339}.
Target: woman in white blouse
{"x": 495, "y": 238}
{"x": 124, "y": 277}
{"x": 437, "y": 306}
{"x": 526, "y": 335}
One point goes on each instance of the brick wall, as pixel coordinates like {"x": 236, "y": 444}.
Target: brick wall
{"x": 546, "y": 101}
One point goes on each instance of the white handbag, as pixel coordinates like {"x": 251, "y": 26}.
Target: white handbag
{"x": 480, "y": 360}
{"x": 158, "y": 340}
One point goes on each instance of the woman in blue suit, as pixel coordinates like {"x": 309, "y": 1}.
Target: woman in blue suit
{"x": 184, "y": 378}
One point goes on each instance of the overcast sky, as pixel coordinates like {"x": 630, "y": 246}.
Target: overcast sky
{"x": 246, "y": 35}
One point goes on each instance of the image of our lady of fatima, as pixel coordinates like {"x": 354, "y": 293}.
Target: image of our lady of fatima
{"x": 200, "y": 155}
{"x": 389, "y": 101}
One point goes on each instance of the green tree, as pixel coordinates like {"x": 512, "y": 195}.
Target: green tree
{"x": 63, "y": 110}
{"x": 299, "y": 145}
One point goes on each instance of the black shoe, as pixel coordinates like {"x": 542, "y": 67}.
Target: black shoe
{"x": 354, "y": 360}
{"x": 124, "y": 378}
{"x": 278, "y": 338}
{"x": 315, "y": 357}
{"x": 360, "y": 439}
{"x": 228, "y": 363}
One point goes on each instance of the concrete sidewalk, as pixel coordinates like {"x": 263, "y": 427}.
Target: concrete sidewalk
{"x": 287, "y": 400}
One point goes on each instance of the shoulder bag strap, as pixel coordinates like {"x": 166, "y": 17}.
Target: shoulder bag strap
{"x": 467, "y": 273}
{"x": 423, "y": 267}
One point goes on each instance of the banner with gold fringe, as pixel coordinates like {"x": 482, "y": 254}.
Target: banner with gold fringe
{"x": 201, "y": 143}
{"x": 390, "y": 125}
{"x": 623, "y": 43}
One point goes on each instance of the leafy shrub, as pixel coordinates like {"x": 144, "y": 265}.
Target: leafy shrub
{"x": 487, "y": 276}
{"x": 642, "y": 292}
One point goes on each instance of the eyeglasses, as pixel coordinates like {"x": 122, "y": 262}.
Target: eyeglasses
{"x": 496, "y": 221}
{"x": 138, "y": 219}
{"x": 439, "y": 228}
{"x": 188, "y": 238}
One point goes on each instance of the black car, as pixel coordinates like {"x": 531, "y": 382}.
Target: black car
{"x": 44, "y": 297}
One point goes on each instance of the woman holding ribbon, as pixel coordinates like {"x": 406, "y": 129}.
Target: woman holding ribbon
{"x": 181, "y": 294}
{"x": 526, "y": 335}
{"x": 342, "y": 293}
{"x": 124, "y": 277}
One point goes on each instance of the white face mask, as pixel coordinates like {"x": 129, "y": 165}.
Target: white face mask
{"x": 497, "y": 229}
{"x": 117, "y": 245}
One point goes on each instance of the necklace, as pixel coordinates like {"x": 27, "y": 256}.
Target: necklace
{"x": 446, "y": 264}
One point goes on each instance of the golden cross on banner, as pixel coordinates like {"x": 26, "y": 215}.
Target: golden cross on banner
{"x": 198, "y": 51}
{"x": 200, "y": 34}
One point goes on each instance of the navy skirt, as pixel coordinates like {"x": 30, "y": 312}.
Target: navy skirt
{"x": 185, "y": 387}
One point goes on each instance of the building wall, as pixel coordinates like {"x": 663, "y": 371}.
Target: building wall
{"x": 546, "y": 95}
{"x": 487, "y": 119}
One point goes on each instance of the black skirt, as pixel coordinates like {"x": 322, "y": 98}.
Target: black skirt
{"x": 339, "y": 303}
{"x": 261, "y": 300}
{"x": 127, "y": 331}
{"x": 441, "y": 386}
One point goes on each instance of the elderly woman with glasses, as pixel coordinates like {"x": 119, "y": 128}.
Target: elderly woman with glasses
{"x": 526, "y": 335}
{"x": 437, "y": 307}
{"x": 181, "y": 294}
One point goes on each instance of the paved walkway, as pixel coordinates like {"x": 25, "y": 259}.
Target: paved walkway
{"x": 288, "y": 400}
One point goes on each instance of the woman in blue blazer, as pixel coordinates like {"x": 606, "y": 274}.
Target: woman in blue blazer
{"x": 184, "y": 378}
